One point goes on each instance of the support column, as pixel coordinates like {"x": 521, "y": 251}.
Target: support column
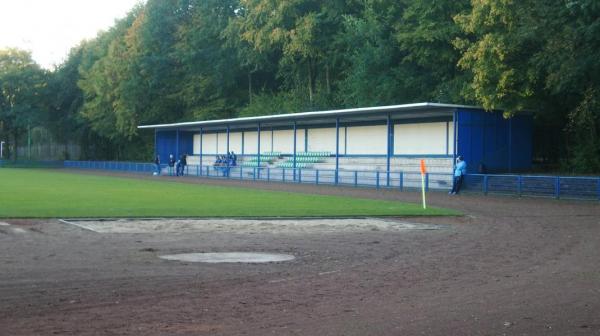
{"x": 390, "y": 139}
{"x": 155, "y": 144}
{"x": 510, "y": 145}
{"x": 243, "y": 144}
{"x": 201, "y": 153}
{"x": 306, "y": 139}
{"x": 258, "y": 150}
{"x": 337, "y": 149}
{"x": 177, "y": 146}
{"x": 227, "y": 140}
{"x": 447, "y": 138}
{"x": 295, "y": 129}
{"x": 454, "y": 138}
{"x": 227, "y": 149}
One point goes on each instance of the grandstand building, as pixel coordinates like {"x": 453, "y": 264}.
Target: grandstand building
{"x": 386, "y": 140}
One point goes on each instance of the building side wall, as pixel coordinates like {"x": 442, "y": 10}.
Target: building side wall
{"x": 521, "y": 142}
{"x": 166, "y": 144}
{"x": 423, "y": 138}
{"x": 186, "y": 143}
{"x": 365, "y": 140}
{"x": 487, "y": 139}
{"x": 166, "y": 141}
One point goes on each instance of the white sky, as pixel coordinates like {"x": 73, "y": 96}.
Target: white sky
{"x": 50, "y": 28}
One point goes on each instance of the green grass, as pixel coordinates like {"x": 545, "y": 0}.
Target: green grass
{"x": 29, "y": 193}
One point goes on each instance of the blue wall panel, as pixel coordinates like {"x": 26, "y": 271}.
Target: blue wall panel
{"x": 487, "y": 138}
{"x": 521, "y": 142}
{"x": 186, "y": 143}
{"x": 166, "y": 144}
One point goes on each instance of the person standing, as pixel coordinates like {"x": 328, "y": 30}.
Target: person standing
{"x": 171, "y": 164}
{"x": 181, "y": 165}
{"x": 157, "y": 164}
{"x": 460, "y": 170}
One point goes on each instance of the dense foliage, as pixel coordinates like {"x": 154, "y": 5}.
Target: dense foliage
{"x": 172, "y": 60}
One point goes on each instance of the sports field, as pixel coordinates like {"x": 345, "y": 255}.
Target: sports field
{"x": 31, "y": 193}
{"x": 509, "y": 266}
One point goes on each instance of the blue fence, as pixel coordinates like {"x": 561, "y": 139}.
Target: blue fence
{"x": 377, "y": 179}
{"x": 30, "y": 164}
{"x": 139, "y": 167}
{"x": 519, "y": 185}
{"x": 566, "y": 187}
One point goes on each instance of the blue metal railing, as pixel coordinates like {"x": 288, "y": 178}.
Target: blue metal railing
{"x": 519, "y": 185}
{"x": 139, "y": 167}
{"x": 31, "y": 164}
{"x": 357, "y": 178}
{"x": 567, "y": 187}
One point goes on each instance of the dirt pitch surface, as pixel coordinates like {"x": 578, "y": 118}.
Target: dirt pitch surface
{"x": 510, "y": 266}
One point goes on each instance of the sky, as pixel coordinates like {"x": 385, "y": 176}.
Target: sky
{"x": 50, "y": 28}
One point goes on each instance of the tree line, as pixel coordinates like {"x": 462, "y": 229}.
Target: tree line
{"x": 174, "y": 60}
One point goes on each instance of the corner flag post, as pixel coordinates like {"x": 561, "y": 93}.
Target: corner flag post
{"x": 423, "y": 172}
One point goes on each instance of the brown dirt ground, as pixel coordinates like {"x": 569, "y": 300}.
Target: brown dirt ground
{"x": 510, "y": 266}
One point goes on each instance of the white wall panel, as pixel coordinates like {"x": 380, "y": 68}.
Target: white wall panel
{"x": 422, "y": 138}
{"x": 196, "y": 144}
{"x": 343, "y": 147}
{"x": 283, "y": 141}
{"x": 235, "y": 142}
{"x": 323, "y": 139}
{"x": 367, "y": 140}
{"x": 222, "y": 143}
{"x": 300, "y": 140}
{"x": 250, "y": 142}
{"x": 265, "y": 141}
{"x": 209, "y": 143}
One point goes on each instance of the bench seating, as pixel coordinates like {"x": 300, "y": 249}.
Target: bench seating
{"x": 290, "y": 164}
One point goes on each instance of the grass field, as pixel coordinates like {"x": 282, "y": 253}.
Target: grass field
{"x": 30, "y": 193}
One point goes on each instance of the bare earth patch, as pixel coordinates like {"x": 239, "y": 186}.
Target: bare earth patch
{"x": 274, "y": 226}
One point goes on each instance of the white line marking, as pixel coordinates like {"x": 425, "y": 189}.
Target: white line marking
{"x": 279, "y": 280}
{"x": 4, "y": 224}
{"x": 330, "y": 272}
{"x": 78, "y": 225}
{"x": 19, "y": 230}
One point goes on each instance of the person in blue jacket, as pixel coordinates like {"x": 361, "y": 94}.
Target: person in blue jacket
{"x": 157, "y": 164}
{"x": 460, "y": 170}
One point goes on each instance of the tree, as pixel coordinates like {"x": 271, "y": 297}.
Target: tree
{"x": 540, "y": 55}
{"x": 65, "y": 100}
{"x": 372, "y": 75}
{"x": 22, "y": 89}
{"x": 301, "y": 34}
{"x": 425, "y": 36}
{"x": 212, "y": 82}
